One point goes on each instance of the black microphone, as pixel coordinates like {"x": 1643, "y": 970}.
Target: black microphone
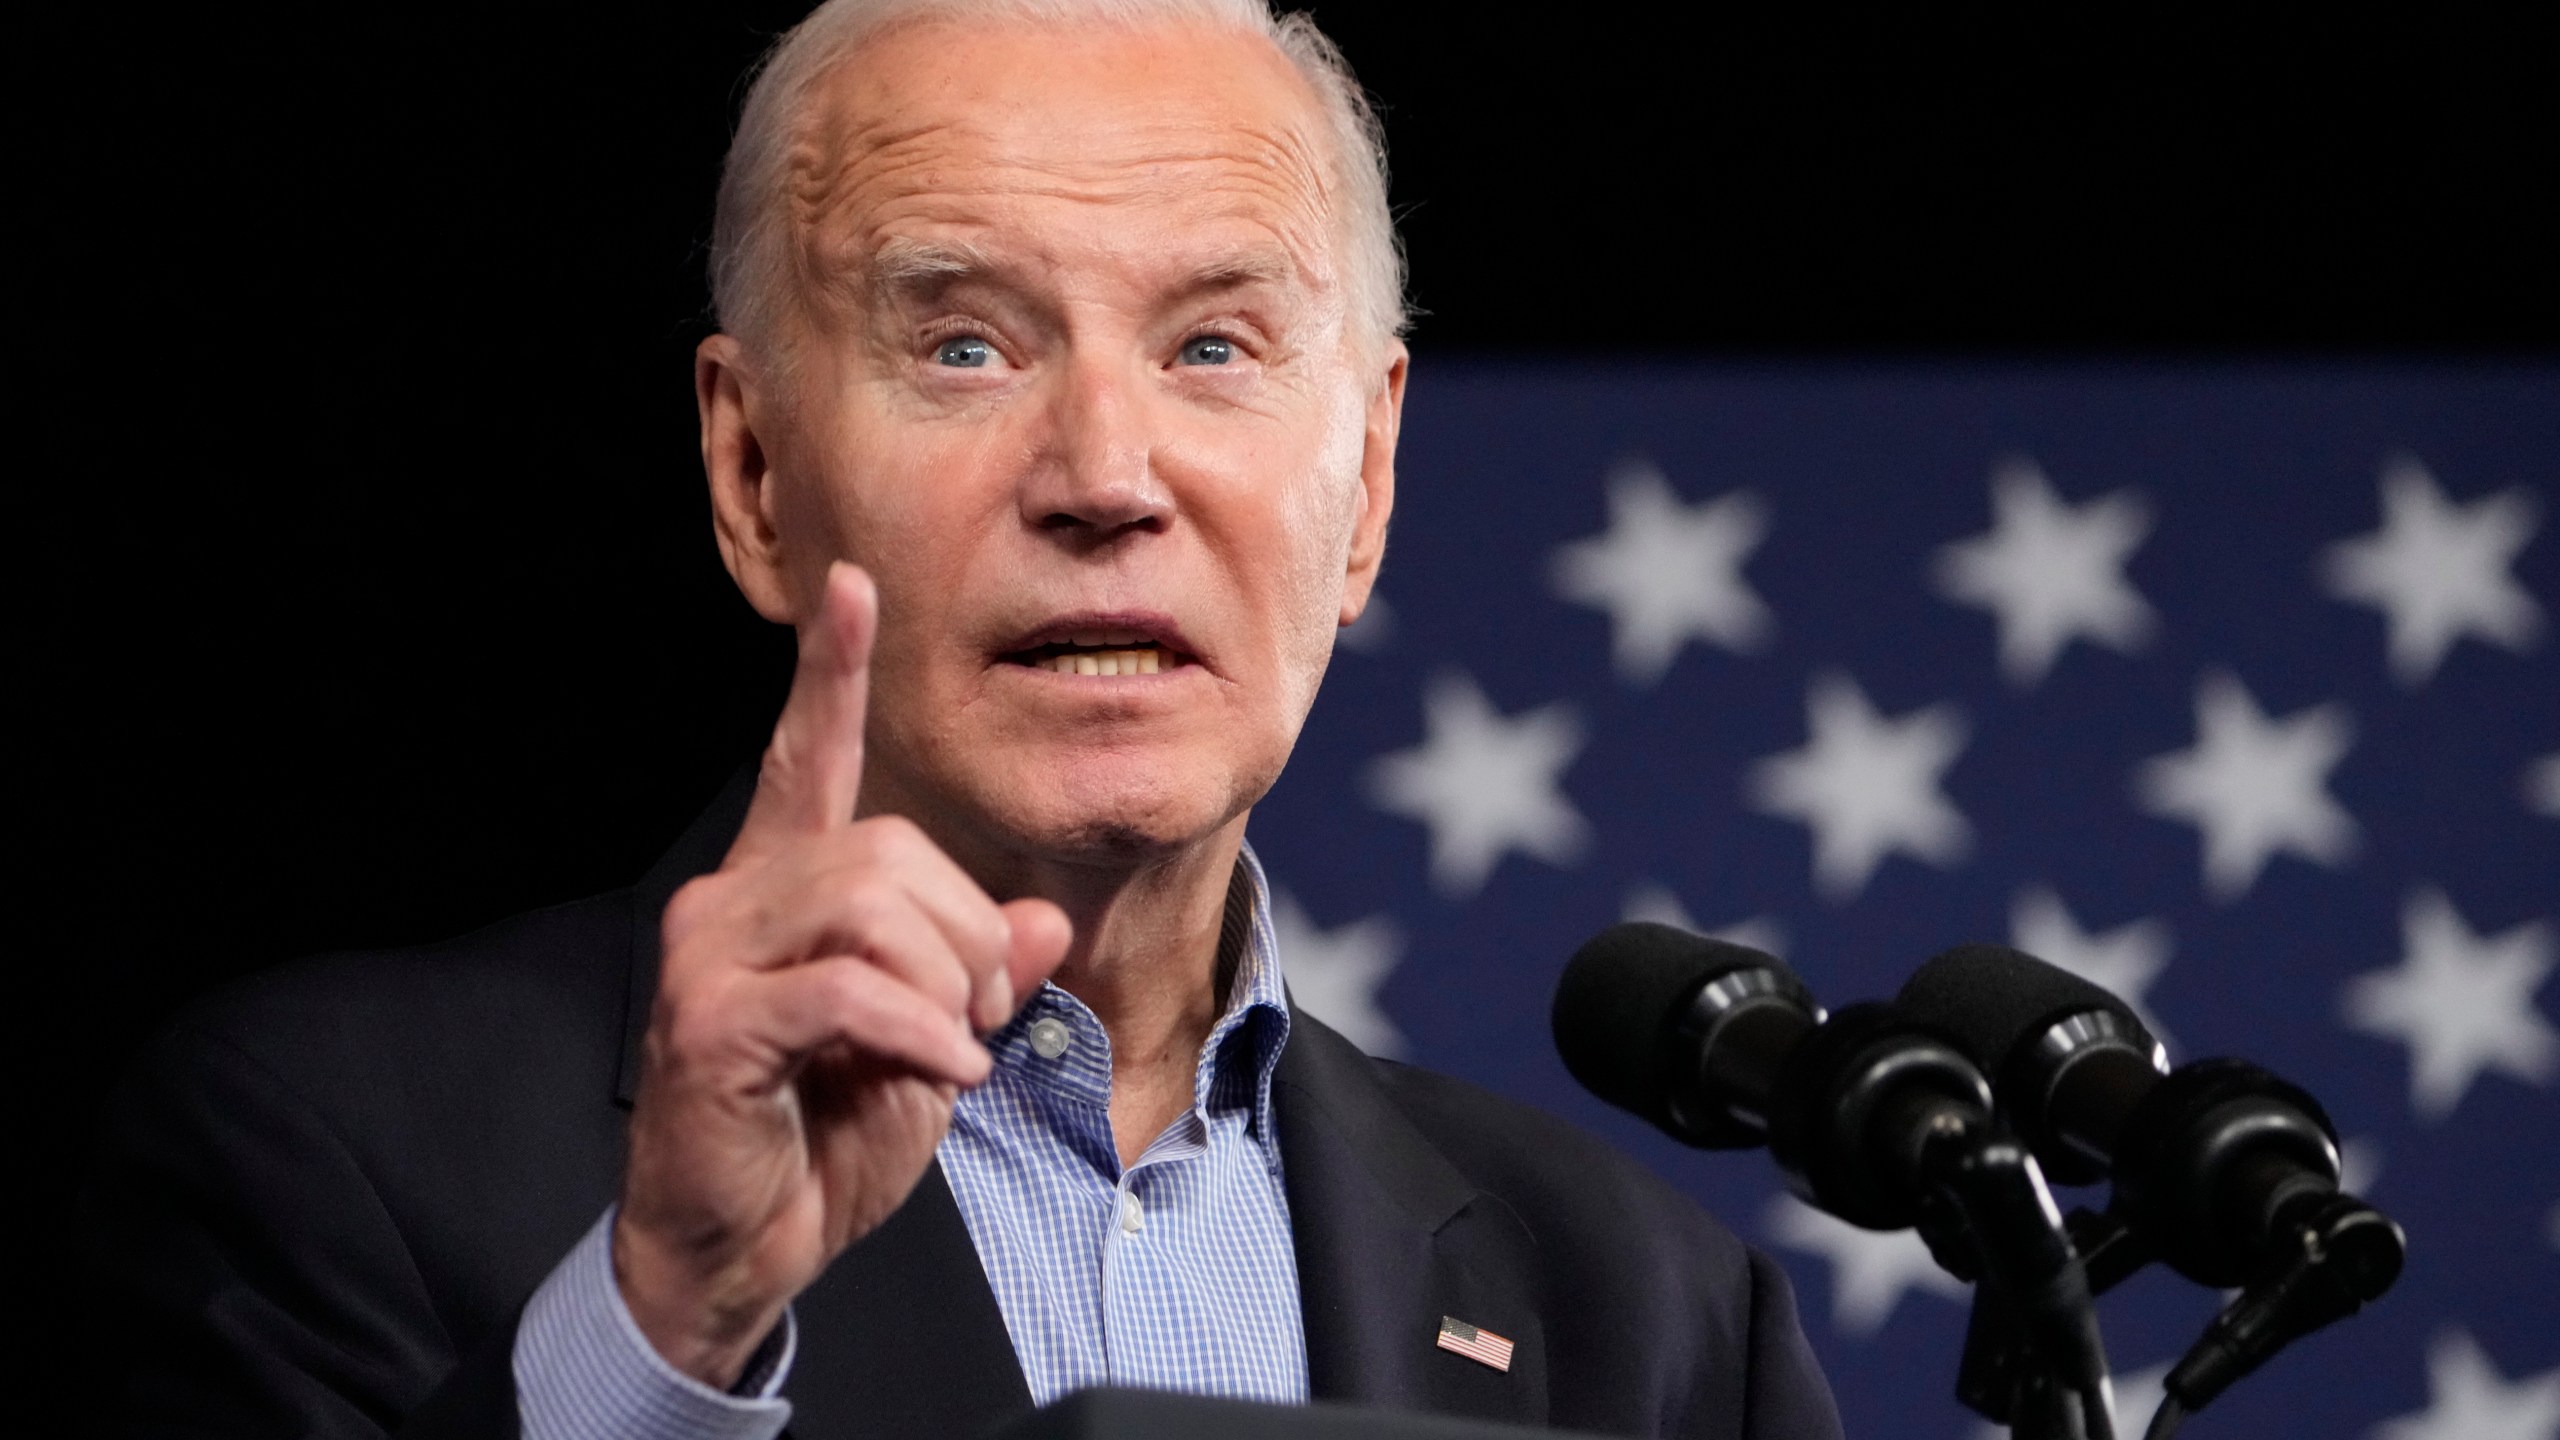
{"x": 1721, "y": 1046}
{"x": 1687, "y": 1032}
{"x": 2221, "y": 1168}
{"x": 2211, "y": 1162}
{"x": 1873, "y": 1118}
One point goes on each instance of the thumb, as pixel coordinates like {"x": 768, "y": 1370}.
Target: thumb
{"x": 1041, "y": 934}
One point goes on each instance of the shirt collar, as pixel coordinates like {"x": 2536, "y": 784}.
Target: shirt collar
{"x": 1237, "y": 1070}
{"x": 1242, "y": 1052}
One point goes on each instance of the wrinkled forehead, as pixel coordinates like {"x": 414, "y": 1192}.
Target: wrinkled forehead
{"x": 1063, "y": 138}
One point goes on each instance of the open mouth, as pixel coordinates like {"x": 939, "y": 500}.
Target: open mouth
{"x": 1102, "y": 652}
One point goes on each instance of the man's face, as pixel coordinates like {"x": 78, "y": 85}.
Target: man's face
{"x": 1076, "y": 379}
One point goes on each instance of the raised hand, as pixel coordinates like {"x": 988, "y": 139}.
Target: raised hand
{"x": 818, "y": 1009}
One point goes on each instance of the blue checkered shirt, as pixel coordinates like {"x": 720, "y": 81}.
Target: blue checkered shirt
{"x": 1176, "y": 1272}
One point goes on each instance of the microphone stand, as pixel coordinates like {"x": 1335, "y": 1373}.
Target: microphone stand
{"x": 2033, "y": 1356}
{"x": 1886, "y": 1126}
{"x": 2340, "y": 1255}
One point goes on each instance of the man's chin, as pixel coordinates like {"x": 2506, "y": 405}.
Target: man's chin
{"x": 1092, "y": 817}
{"x": 1109, "y": 843}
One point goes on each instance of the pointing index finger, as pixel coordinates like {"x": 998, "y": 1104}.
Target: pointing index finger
{"x": 813, "y": 768}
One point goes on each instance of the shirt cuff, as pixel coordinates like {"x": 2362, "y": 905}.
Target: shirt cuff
{"x": 585, "y": 1372}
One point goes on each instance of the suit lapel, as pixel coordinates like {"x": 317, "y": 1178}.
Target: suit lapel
{"x": 901, "y": 1335}
{"x": 1390, "y": 1238}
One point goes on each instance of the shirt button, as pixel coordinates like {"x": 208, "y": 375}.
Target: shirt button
{"x": 1133, "y": 1216}
{"x": 1050, "y": 1037}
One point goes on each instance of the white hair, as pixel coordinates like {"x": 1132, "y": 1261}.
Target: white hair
{"x": 752, "y": 244}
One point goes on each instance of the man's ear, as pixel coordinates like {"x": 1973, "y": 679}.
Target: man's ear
{"x": 1377, "y": 483}
{"x": 739, "y": 465}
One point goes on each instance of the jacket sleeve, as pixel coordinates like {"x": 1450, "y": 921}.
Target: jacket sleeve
{"x": 246, "y": 1279}
{"x": 1787, "y": 1397}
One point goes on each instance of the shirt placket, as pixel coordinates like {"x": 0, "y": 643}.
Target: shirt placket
{"x": 1135, "y": 1243}
{"x": 1065, "y": 1055}
{"x": 1140, "y": 1322}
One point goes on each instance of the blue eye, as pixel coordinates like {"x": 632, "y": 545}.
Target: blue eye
{"x": 965, "y": 352}
{"x": 1206, "y": 350}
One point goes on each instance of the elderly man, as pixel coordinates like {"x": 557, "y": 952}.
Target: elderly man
{"x": 946, "y": 1066}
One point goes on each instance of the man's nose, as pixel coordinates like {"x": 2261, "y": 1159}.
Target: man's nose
{"x": 1096, "y": 474}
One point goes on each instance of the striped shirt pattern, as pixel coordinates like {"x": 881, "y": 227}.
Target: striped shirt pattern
{"x": 585, "y": 1372}
{"x": 1176, "y": 1273}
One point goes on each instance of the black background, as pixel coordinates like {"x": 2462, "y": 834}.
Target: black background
{"x": 369, "y": 575}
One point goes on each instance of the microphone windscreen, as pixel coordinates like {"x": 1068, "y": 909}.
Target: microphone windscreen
{"x": 1620, "y": 1000}
{"x": 1990, "y": 998}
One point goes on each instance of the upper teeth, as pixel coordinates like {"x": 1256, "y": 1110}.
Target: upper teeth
{"x": 1104, "y": 662}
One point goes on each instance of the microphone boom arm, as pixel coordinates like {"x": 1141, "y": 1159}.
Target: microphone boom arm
{"x": 2033, "y": 1344}
{"x": 1884, "y": 1125}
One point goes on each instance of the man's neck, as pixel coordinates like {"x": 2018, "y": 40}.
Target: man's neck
{"x": 1146, "y": 961}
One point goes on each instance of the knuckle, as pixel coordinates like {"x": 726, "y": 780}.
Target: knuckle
{"x": 893, "y": 837}
{"x": 781, "y": 765}
{"x": 775, "y": 773}
{"x": 688, "y": 1023}
{"x": 688, "y": 908}
{"x": 862, "y": 915}
{"x": 847, "y": 993}
{"x": 945, "y": 983}
{"x": 858, "y": 849}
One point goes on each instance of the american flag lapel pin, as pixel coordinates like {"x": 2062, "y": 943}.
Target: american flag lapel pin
{"x": 1482, "y": 1346}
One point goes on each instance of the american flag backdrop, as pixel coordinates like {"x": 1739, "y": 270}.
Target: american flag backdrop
{"x": 2236, "y": 689}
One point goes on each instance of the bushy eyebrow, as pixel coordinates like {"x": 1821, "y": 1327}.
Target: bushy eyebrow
{"x": 905, "y": 268}
{"x": 1241, "y": 270}
{"x": 902, "y": 266}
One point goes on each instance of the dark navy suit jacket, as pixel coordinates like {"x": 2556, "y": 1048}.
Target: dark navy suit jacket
{"x": 322, "y": 1202}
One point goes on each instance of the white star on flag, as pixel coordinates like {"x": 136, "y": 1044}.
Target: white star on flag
{"x": 2253, "y": 786}
{"x": 1483, "y": 784}
{"x": 2123, "y": 961}
{"x": 1657, "y": 903}
{"x": 1870, "y": 1269}
{"x": 2050, "y": 571}
{"x": 1334, "y": 974}
{"x": 1867, "y": 786}
{"x": 2461, "y": 1003}
{"x": 2438, "y": 570}
{"x": 1667, "y": 573}
{"x": 2468, "y": 1400}
{"x": 2542, "y": 785}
